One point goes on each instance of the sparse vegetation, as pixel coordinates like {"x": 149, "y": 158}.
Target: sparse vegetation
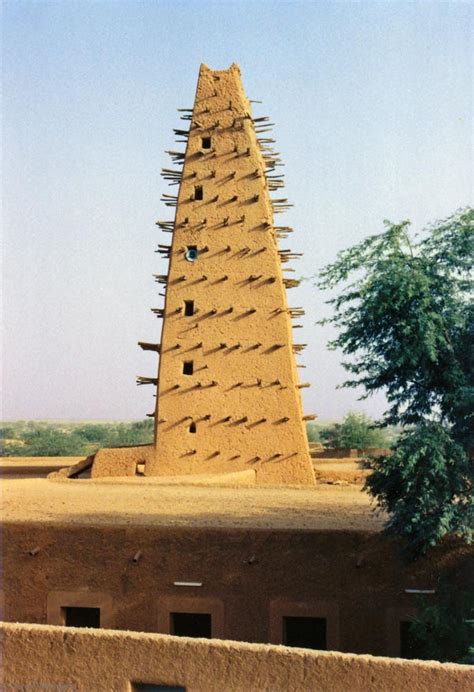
{"x": 52, "y": 438}
{"x": 34, "y": 438}
{"x": 356, "y": 431}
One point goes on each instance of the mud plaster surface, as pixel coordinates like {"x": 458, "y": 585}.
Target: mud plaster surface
{"x": 238, "y": 405}
{"x": 146, "y": 502}
{"x": 105, "y": 660}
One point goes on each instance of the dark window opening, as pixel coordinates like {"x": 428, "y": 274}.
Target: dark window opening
{"x": 189, "y": 308}
{"x": 151, "y": 687}
{"x": 198, "y": 192}
{"x": 309, "y": 633}
{"x": 81, "y": 617}
{"x": 410, "y": 645}
{"x": 191, "y": 625}
{"x": 205, "y": 142}
{"x": 188, "y": 367}
{"x": 192, "y": 427}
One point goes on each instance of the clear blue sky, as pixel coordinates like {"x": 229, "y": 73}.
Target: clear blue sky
{"x": 373, "y": 110}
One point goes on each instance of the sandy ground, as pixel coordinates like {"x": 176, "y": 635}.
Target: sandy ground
{"x": 145, "y": 502}
{"x": 10, "y": 462}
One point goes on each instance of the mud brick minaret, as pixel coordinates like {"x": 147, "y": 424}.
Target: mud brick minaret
{"x": 228, "y": 394}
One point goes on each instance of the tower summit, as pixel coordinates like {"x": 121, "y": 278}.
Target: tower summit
{"x": 228, "y": 394}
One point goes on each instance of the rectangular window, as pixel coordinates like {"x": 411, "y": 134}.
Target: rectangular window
{"x": 189, "y": 308}
{"x": 306, "y": 632}
{"x": 81, "y": 617}
{"x": 191, "y": 625}
{"x": 188, "y": 367}
{"x": 205, "y": 142}
{"x": 198, "y": 192}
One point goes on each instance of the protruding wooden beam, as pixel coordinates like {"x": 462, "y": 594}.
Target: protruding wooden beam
{"x": 291, "y": 283}
{"x": 149, "y": 347}
{"x": 147, "y": 380}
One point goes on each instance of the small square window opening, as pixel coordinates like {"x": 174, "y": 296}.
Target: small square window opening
{"x": 192, "y": 427}
{"x": 188, "y": 367}
{"x": 205, "y": 143}
{"x": 198, "y": 192}
{"x": 188, "y": 308}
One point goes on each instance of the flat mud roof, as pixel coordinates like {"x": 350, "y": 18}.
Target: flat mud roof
{"x": 144, "y": 503}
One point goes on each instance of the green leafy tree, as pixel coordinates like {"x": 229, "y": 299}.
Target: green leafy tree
{"x": 405, "y": 317}
{"x": 129, "y": 434}
{"x": 425, "y": 486}
{"x": 444, "y": 629}
{"x": 356, "y": 430}
{"x": 50, "y": 442}
{"x": 94, "y": 432}
{"x": 7, "y": 432}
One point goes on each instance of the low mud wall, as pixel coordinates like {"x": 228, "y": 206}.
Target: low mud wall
{"x": 348, "y": 452}
{"x": 75, "y": 660}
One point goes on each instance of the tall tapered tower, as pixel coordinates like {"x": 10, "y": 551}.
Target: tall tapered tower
{"x": 228, "y": 393}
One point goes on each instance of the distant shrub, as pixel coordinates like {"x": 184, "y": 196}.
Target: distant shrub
{"x": 7, "y": 432}
{"x": 94, "y": 432}
{"x": 71, "y": 439}
{"x": 129, "y": 434}
{"x": 48, "y": 442}
{"x": 312, "y": 431}
{"x": 356, "y": 431}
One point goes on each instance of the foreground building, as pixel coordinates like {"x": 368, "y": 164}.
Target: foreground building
{"x": 298, "y": 567}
